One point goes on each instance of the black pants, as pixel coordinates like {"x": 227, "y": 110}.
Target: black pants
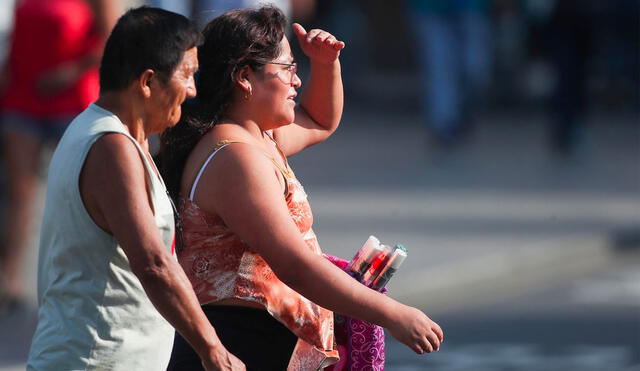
{"x": 251, "y": 334}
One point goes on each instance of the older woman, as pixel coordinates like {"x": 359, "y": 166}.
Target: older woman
{"x": 109, "y": 287}
{"x": 248, "y": 246}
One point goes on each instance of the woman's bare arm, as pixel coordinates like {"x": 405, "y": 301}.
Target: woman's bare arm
{"x": 320, "y": 110}
{"x": 113, "y": 189}
{"x": 242, "y": 188}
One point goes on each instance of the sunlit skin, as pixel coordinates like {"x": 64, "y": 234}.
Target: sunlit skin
{"x": 165, "y": 109}
{"x": 274, "y": 99}
{"x": 114, "y": 187}
{"x": 152, "y": 104}
{"x": 242, "y": 186}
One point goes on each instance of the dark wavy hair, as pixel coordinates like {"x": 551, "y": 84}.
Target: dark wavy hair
{"x": 232, "y": 41}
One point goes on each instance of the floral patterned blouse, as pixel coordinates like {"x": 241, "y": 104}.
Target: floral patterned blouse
{"x": 221, "y": 266}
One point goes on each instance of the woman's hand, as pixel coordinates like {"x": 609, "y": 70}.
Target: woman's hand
{"x": 223, "y": 361}
{"x": 417, "y": 331}
{"x": 318, "y": 45}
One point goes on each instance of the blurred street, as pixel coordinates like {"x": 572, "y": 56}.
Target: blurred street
{"x": 498, "y": 140}
{"x": 528, "y": 261}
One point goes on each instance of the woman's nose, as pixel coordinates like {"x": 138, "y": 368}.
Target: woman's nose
{"x": 191, "y": 88}
{"x": 296, "y": 81}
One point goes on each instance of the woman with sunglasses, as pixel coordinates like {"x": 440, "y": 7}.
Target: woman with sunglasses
{"x": 247, "y": 243}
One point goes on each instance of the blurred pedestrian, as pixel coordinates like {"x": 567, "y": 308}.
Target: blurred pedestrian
{"x": 204, "y": 10}
{"x": 177, "y": 6}
{"x": 52, "y": 75}
{"x": 109, "y": 287}
{"x": 570, "y": 38}
{"x": 249, "y": 247}
{"x": 6, "y": 25}
{"x": 454, "y": 57}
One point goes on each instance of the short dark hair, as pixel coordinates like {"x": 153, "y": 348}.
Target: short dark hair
{"x": 235, "y": 39}
{"x": 145, "y": 38}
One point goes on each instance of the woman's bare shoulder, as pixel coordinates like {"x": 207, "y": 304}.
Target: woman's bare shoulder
{"x": 238, "y": 168}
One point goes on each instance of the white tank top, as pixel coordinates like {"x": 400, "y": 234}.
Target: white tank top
{"x": 93, "y": 312}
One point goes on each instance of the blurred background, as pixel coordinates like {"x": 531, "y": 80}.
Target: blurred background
{"x": 498, "y": 140}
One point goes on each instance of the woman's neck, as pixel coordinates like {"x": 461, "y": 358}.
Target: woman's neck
{"x": 120, "y": 105}
{"x": 245, "y": 131}
{"x": 248, "y": 125}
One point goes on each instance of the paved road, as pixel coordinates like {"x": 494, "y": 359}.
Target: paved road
{"x": 587, "y": 322}
{"x": 493, "y": 222}
{"x": 510, "y": 248}
{"x": 496, "y": 216}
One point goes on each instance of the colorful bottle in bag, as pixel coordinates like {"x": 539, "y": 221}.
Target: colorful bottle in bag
{"x": 392, "y": 265}
{"x": 376, "y": 265}
{"x": 362, "y": 260}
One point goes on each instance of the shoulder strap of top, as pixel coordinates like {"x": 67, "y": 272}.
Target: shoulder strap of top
{"x": 114, "y": 125}
{"x": 220, "y": 145}
{"x": 223, "y": 143}
{"x": 286, "y": 171}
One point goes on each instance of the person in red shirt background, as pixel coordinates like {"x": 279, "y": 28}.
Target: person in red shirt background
{"x": 50, "y": 76}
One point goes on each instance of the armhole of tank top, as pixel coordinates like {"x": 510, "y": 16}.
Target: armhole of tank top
{"x": 151, "y": 173}
{"x": 78, "y": 194}
{"x": 215, "y": 151}
{"x": 150, "y": 169}
{"x": 148, "y": 172}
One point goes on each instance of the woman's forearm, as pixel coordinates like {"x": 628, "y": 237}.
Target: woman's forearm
{"x": 323, "y": 96}
{"x": 328, "y": 286}
{"x": 171, "y": 293}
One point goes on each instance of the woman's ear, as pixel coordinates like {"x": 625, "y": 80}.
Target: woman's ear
{"x": 243, "y": 79}
{"x": 144, "y": 82}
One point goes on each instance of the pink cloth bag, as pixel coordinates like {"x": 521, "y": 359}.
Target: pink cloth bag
{"x": 360, "y": 344}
